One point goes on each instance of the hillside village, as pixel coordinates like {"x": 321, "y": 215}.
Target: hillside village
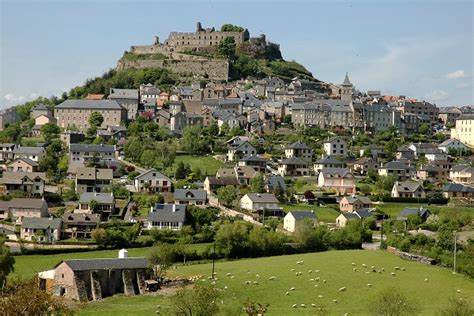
{"x": 181, "y": 162}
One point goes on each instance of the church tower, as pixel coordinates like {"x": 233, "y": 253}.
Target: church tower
{"x": 347, "y": 89}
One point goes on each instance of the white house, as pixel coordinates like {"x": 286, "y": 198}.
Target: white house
{"x": 452, "y": 144}
{"x": 152, "y": 181}
{"x": 42, "y": 229}
{"x": 292, "y": 219}
{"x": 259, "y": 202}
{"x": 342, "y": 219}
{"x": 167, "y": 217}
{"x": 335, "y": 147}
{"x": 408, "y": 189}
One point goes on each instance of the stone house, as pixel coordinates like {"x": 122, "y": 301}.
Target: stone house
{"x": 40, "y": 109}
{"x": 81, "y": 154}
{"x": 212, "y": 184}
{"x": 299, "y": 150}
{"x": 22, "y": 164}
{"x": 257, "y": 163}
{"x": 93, "y": 279}
{"x": 353, "y": 203}
{"x": 432, "y": 173}
{"x": 182, "y": 120}
{"x": 259, "y": 202}
{"x": 272, "y": 182}
{"x": 464, "y": 130}
{"x": 79, "y": 225}
{"x": 408, "y": 189}
{"x": 457, "y": 190}
{"x": 71, "y": 137}
{"x": 32, "y": 153}
{"x": 187, "y": 196}
{"x": 363, "y": 165}
{"x": 20, "y": 208}
{"x": 335, "y": 146}
{"x": 32, "y": 183}
{"x": 163, "y": 118}
{"x": 41, "y": 229}
{"x": 452, "y": 143}
{"x": 76, "y": 113}
{"x": 340, "y": 180}
{"x": 343, "y": 218}
{"x": 422, "y": 213}
{"x": 167, "y": 217}
{"x": 8, "y": 116}
{"x": 152, "y": 181}
{"x": 291, "y": 219}
{"x": 93, "y": 179}
{"x": 6, "y": 151}
{"x": 293, "y": 167}
{"x": 462, "y": 173}
{"x": 399, "y": 169}
{"x": 126, "y": 98}
{"x": 105, "y": 204}
{"x": 239, "y": 148}
{"x": 449, "y": 115}
{"x": 328, "y": 162}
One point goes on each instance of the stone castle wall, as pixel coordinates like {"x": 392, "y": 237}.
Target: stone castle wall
{"x": 213, "y": 69}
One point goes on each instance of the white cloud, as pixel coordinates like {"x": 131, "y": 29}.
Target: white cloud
{"x": 456, "y": 74}
{"x": 462, "y": 85}
{"x": 13, "y": 99}
{"x": 437, "y": 95}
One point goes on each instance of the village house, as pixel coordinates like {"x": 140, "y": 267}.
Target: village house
{"x": 457, "y": 190}
{"x": 79, "y": 225}
{"x": 258, "y": 202}
{"x": 6, "y": 151}
{"x": 398, "y": 169}
{"x": 94, "y": 279}
{"x": 422, "y": 213}
{"x": 273, "y": 183}
{"x": 152, "y": 181}
{"x": 328, "y": 162}
{"x": 105, "y": 204}
{"x": 449, "y": 115}
{"x": 373, "y": 151}
{"x": 188, "y": 196}
{"x": 239, "y": 147}
{"x": 339, "y": 180}
{"x": 41, "y": 229}
{"x": 464, "y": 130}
{"x": 452, "y": 144}
{"x": 299, "y": 150}
{"x": 432, "y": 173}
{"x": 343, "y": 218}
{"x": 126, "y": 98}
{"x": 32, "y": 153}
{"x": 22, "y": 164}
{"x": 182, "y": 120}
{"x": 116, "y": 133}
{"x": 408, "y": 189}
{"x": 293, "y": 167}
{"x": 335, "y": 146}
{"x": 257, "y": 163}
{"x": 71, "y": 137}
{"x": 420, "y": 149}
{"x": 167, "y": 217}
{"x": 93, "y": 179}
{"x": 40, "y": 109}
{"x": 364, "y": 164}
{"x": 76, "y": 113}
{"x": 293, "y": 218}
{"x": 32, "y": 183}
{"x": 81, "y": 154}
{"x": 212, "y": 184}
{"x": 462, "y": 173}
{"x": 20, "y": 208}
{"x": 353, "y": 203}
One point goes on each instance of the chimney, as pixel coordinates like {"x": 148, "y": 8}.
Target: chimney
{"x": 151, "y": 209}
{"x": 174, "y": 208}
{"x": 123, "y": 253}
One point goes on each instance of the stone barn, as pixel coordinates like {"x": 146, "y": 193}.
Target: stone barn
{"x": 94, "y": 279}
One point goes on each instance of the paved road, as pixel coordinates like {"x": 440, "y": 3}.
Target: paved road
{"x": 137, "y": 168}
{"x": 15, "y": 246}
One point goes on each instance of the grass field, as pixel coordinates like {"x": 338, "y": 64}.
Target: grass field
{"x": 323, "y": 214}
{"x": 30, "y": 265}
{"x": 393, "y": 209}
{"x": 335, "y": 267}
{"x": 207, "y": 164}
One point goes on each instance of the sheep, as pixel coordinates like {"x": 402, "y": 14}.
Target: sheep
{"x": 303, "y": 305}
{"x": 158, "y": 306}
{"x": 367, "y": 272}
{"x": 403, "y": 269}
{"x": 310, "y": 271}
{"x": 313, "y": 305}
{"x": 255, "y": 282}
{"x": 316, "y": 271}
{"x": 364, "y": 265}
{"x": 213, "y": 282}
{"x": 369, "y": 285}
{"x": 287, "y": 293}
{"x": 393, "y": 273}
{"x": 228, "y": 274}
{"x": 292, "y": 288}
{"x": 459, "y": 291}
{"x": 257, "y": 275}
{"x": 232, "y": 277}
{"x": 311, "y": 279}
{"x": 300, "y": 262}
{"x": 317, "y": 279}
{"x": 383, "y": 269}
{"x": 215, "y": 273}
{"x": 272, "y": 278}
{"x": 294, "y": 305}
{"x": 354, "y": 269}
{"x": 291, "y": 270}
{"x": 324, "y": 281}
{"x": 426, "y": 280}
{"x": 372, "y": 267}
{"x": 353, "y": 263}
{"x": 225, "y": 287}
{"x": 210, "y": 278}
{"x": 397, "y": 268}
{"x": 342, "y": 289}
{"x": 320, "y": 296}
{"x": 248, "y": 282}
{"x": 316, "y": 285}
{"x": 335, "y": 301}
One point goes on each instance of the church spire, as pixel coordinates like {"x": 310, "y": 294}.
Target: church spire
{"x": 347, "y": 82}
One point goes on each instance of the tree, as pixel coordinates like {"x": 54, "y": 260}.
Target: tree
{"x": 199, "y": 300}
{"x": 227, "y": 195}
{"x": 232, "y": 239}
{"x": 231, "y": 28}
{"x": 226, "y": 47}
{"x": 457, "y": 306}
{"x": 213, "y": 129}
{"x": 424, "y": 129}
{"x": 365, "y": 189}
{"x": 180, "y": 172}
{"x": 94, "y": 206}
{"x": 309, "y": 196}
{"x": 162, "y": 257}
{"x": 50, "y": 131}
{"x": 392, "y": 302}
{"x": 148, "y": 158}
{"x": 257, "y": 184}
{"x": 6, "y": 262}
{"x": 95, "y": 119}
{"x": 225, "y": 129}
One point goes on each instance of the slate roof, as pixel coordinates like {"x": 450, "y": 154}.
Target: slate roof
{"x": 159, "y": 175}
{"x": 395, "y": 165}
{"x": 27, "y": 203}
{"x": 92, "y": 148}
{"x": 347, "y": 82}
{"x": 336, "y": 173}
{"x": 329, "y": 160}
{"x": 40, "y": 107}
{"x": 168, "y": 213}
{"x": 123, "y": 93}
{"x": 293, "y": 161}
{"x": 94, "y": 174}
{"x": 422, "y": 212}
{"x": 262, "y": 198}
{"x": 253, "y": 158}
{"x": 359, "y": 214}
{"x": 223, "y": 181}
{"x": 101, "y": 198}
{"x": 457, "y": 187}
{"x": 16, "y": 177}
{"x": 274, "y": 180}
{"x": 462, "y": 167}
{"x": 106, "y": 264}
{"x": 90, "y": 104}
{"x": 301, "y": 215}
{"x": 448, "y": 142}
{"x": 298, "y": 145}
{"x": 407, "y": 186}
{"x": 27, "y": 161}
{"x": 352, "y": 199}
{"x": 190, "y": 195}
{"x": 28, "y": 150}
{"x": 41, "y": 223}
{"x": 80, "y": 218}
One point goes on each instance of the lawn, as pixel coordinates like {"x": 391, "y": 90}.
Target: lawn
{"x": 335, "y": 267}
{"x": 393, "y": 209}
{"x": 208, "y": 164}
{"x": 323, "y": 214}
{"x": 30, "y": 265}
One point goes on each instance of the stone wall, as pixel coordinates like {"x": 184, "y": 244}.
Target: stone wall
{"x": 212, "y": 69}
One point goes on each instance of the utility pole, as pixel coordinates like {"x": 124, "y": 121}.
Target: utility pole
{"x": 213, "y": 259}
{"x": 455, "y": 248}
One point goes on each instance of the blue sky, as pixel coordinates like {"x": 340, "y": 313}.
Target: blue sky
{"x": 422, "y": 49}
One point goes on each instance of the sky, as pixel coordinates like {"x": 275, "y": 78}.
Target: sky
{"x": 419, "y": 48}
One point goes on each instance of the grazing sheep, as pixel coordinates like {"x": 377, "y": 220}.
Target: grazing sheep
{"x": 364, "y": 265}
{"x": 320, "y": 296}
{"x": 335, "y": 301}
{"x": 210, "y": 278}
{"x": 291, "y": 270}
{"x": 426, "y": 280}
{"x": 272, "y": 278}
{"x": 296, "y": 274}
{"x": 353, "y": 263}
{"x": 316, "y": 271}
{"x": 303, "y": 305}
{"x": 228, "y": 274}
{"x": 324, "y": 281}
{"x": 310, "y": 271}
{"x": 292, "y": 289}
{"x": 215, "y": 273}
{"x": 255, "y": 282}
{"x": 393, "y": 273}
{"x": 383, "y": 269}
{"x": 257, "y": 275}
{"x": 369, "y": 285}
{"x": 342, "y": 289}
{"x": 225, "y": 287}
{"x": 287, "y": 293}
{"x": 397, "y": 268}
{"x": 294, "y": 305}
{"x": 403, "y": 269}
{"x": 232, "y": 277}
{"x": 372, "y": 267}
{"x": 316, "y": 285}
{"x": 313, "y": 305}
{"x": 354, "y": 269}
{"x": 311, "y": 279}
{"x": 158, "y": 306}
{"x": 248, "y": 282}
{"x": 459, "y": 291}
{"x": 367, "y": 272}
{"x": 213, "y": 282}
{"x": 317, "y": 279}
